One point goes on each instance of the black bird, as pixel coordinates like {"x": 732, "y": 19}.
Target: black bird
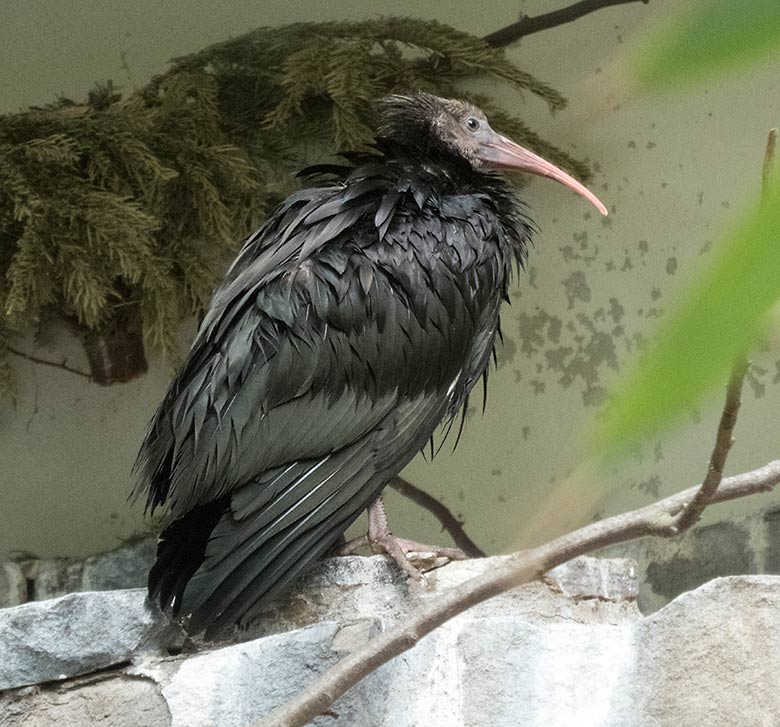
{"x": 353, "y": 323}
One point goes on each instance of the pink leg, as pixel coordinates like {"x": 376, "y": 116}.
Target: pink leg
{"x": 381, "y": 540}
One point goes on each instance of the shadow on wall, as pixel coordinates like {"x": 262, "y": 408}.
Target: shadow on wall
{"x": 670, "y": 567}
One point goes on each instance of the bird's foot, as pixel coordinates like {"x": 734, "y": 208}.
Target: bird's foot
{"x": 413, "y": 558}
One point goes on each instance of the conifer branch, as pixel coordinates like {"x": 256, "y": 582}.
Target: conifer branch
{"x": 135, "y": 204}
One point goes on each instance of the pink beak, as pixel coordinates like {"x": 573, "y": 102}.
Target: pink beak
{"x": 503, "y": 152}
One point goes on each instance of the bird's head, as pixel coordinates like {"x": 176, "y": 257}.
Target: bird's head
{"x": 428, "y": 123}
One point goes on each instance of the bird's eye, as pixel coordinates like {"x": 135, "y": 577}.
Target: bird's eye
{"x": 472, "y": 124}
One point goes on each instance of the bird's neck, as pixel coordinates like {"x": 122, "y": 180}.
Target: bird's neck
{"x": 445, "y": 175}
{"x": 451, "y": 174}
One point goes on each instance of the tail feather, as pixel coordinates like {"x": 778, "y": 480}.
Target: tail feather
{"x": 181, "y": 551}
{"x": 243, "y": 561}
{"x": 318, "y": 543}
{"x": 274, "y": 579}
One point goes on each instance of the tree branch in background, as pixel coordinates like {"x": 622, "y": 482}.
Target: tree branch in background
{"x": 528, "y": 25}
{"x": 441, "y": 512}
{"x": 769, "y": 161}
{"x": 54, "y": 364}
{"x": 728, "y": 419}
{"x": 723, "y": 441}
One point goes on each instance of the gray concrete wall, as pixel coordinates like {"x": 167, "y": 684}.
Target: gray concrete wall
{"x": 672, "y": 169}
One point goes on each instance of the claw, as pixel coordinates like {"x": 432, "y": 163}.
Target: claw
{"x": 380, "y": 539}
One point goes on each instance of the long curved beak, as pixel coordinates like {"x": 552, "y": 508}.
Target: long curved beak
{"x": 503, "y": 152}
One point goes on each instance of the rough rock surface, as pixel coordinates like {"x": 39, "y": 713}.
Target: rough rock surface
{"x": 124, "y": 567}
{"x": 13, "y": 584}
{"x": 116, "y": 701}
{"x": 571, "y": 650}
{"x": 78, "y": 634}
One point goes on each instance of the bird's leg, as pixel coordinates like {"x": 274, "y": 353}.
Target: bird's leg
{"x": 380, "y": 539}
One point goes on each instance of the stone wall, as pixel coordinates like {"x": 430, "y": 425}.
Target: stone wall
{"x": 666, "y": 568}
{"x": 36, "y": 579}
{"x": 571, "y": 650}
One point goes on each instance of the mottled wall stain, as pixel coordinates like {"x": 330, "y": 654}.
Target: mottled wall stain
{"x": 576, "y": 289}
{"x": 589, "y": 346}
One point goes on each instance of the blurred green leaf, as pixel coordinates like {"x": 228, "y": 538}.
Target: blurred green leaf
{"x": 710, "y": 36}
{"x": 718, "y": 318}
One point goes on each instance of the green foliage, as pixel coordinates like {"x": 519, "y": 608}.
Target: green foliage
{"x": 131, "y": 206}
{"x": 722, "y": 314}
{"x": 119, "y": 203}
{"x": 301, "y": 89}
{"x": 708, "y": 37}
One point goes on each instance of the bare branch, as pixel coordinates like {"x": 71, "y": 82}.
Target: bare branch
{"x": 658, "y": 519}
{"x": 723, "y": 441}
{"x": 54, "y": 364}
{"x": 724, "y": 438}
{"x": 769, "y": 160}
{"x": 528, "y": 25}
{"x": 441, "y": 512}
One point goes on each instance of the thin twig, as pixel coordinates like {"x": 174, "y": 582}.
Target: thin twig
{"x": 725, "y": 435}
{"x": 441, "y": 512}
{"x": 523, "y": 567}
{"x": 723, "y": 441}
{"x": 769, "y": 161}
{"x": 527, "y": 25}
{"x": 54, "y": 364}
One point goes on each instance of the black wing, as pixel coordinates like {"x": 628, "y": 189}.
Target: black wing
{"x": 324, "y": 364}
